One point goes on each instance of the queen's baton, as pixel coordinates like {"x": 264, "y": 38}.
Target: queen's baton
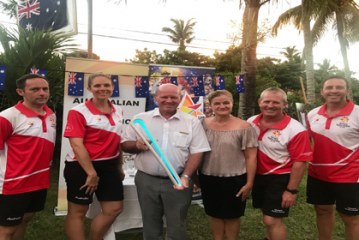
{"x": 157, "y": 152}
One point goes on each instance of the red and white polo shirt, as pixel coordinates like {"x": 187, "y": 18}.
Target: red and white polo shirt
{"x": 336, "y": 143}
{"x": 101, "y": 132}
{"x": 281, "y": 145}
{"x": 27, "y": 142}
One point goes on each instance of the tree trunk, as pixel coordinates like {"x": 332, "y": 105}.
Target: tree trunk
{"x": 343, "y": 43}
{"x": 247, "y": 100}
{"x": 308, "y": 54}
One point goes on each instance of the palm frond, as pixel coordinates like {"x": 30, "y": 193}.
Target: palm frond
{"x": 292, "y": 15}
{"x": 9, "y": 8}
{"x": 322, "y": 20}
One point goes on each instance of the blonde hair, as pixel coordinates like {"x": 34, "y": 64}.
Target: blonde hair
{"x": 274, "y": 90}
{"x": 218, "y": 93}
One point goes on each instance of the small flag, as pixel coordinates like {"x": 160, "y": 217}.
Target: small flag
{"x": 240, "y": 83}
{"x": 76, "y": 84}
{"x": 42, "y": 14}
{"x": 168, "y": 79}
{"x": 197, "y": 85}
{"x": 174, "y": 80}
{"x": 165, "y": 80}
{"x": 141, "y": 86}
{"x": 38, "y": 71}
{"x": 2, "y": 77}
{"x": 151, "y": 103}
{"x": 184, "y": 83}
{"x": 116, "y": 89}
{"x": 220, "y": 85}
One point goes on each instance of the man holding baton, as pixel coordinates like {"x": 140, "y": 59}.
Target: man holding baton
{"x": 182, "y": 141}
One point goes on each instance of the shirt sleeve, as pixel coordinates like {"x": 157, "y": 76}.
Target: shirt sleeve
{"x": 6, "y": 130}
{"x": 250, "y": 138}
{"x": 299, "y": 147}
{"x": 76, "y": 125}
{"x": 199, "y": 141}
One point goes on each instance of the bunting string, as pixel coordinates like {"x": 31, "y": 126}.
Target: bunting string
{"x": 192, "y": 84}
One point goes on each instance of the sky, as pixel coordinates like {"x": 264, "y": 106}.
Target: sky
{"x": 121, "y": 29}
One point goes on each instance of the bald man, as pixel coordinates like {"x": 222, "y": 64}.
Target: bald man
{"x": 183, "y": 141}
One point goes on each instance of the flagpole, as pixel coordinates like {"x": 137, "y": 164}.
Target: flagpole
{"x": 89, "y": 34}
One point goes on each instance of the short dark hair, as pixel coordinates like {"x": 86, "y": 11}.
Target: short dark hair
{"x": 336, "y": 77}
{"x": 95, "y": 75}
{"x": 21, "y": 82}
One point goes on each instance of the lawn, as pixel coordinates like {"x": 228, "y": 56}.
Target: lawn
{"x": 301, "y": 223}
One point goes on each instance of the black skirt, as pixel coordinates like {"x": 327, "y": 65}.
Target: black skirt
{"x": 219, "y": 196}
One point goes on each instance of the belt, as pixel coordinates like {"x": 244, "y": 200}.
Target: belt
{"x": 159, "y": 176}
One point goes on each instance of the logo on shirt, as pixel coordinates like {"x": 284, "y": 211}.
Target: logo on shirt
{"x": 30, "y": 124}
{"x": 69, "y": 128}
{"x": 53, "y": 121}
{"x": 98, "y": 119}
{"x": 275, "y": 136}
{"x": 343, "y": 122}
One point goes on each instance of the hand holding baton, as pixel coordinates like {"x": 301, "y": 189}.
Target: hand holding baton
{"x": 156, "y": 151}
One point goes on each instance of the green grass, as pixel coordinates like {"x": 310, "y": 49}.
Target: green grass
{"x": 300, "y": 223}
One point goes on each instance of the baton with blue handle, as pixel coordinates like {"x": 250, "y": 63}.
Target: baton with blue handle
{"x": 157, "y": 152}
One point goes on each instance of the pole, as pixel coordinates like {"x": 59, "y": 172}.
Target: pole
{"x": 89, "y": 34}
{"x": 303, "y": 90}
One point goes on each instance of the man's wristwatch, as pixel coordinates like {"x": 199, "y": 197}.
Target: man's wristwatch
{"x": 292, "y": 191}
{"x": 186, "y": 176}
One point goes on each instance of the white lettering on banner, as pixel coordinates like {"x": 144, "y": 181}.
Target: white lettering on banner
{"x": 120, "y": 102}
{"x": 126, "y": 121}
{"x": 125, "y": 102}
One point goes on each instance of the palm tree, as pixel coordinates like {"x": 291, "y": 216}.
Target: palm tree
{"x": 9, "y": 8}
{"x": 247, "y": 99}
{"x": 301, "y": 17}
{"x": 26, "y": 49}
{"x": 182, "y": 33}
{"x": 290, "y": 70}
{"x": 344, "y": 15}
{"x": 291, "y": 54}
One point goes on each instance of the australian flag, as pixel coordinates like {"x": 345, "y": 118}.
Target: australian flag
{"x": 76, "y": 84}
{"x": 141, "y": 86}
{"x": 42, "y": 14}
{"x": 115, "y": 82}
{"x": 197, "y": 85}
{"x": 174, "y": 80}
{"x": 169, "y": 79}
{"x": 220, "y": 83}
{"x": 2, "y": 77}
{"x": 38, "y": 71}
{"x": 240, "y": 83}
